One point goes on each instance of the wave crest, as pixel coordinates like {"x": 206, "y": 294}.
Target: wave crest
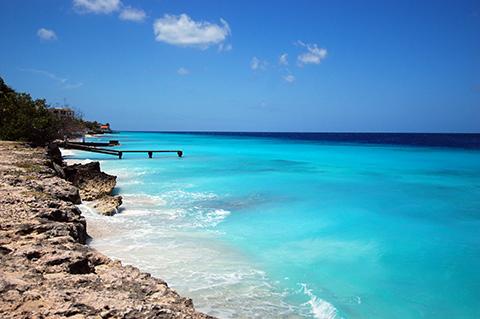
{"x": 320, "y": 308}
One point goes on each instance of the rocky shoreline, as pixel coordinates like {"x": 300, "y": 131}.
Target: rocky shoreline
{"x": 46, "y": 268}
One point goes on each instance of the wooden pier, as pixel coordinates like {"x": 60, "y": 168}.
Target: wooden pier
{"x": 87, "y": 148}
{"x": 96, "y": 144}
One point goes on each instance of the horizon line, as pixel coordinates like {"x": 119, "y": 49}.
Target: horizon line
{"x": 293, "y": 132}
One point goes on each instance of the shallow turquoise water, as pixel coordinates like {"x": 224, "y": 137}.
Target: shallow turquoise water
{"x": 278, "y": 228}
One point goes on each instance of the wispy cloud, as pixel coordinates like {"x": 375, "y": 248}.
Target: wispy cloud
{"x": 283, "y": 59}
{"x": 72, "y": 85}
{"x": 46, "y": 34}
{"x": 289, "y": 78}
{"x": 47, "y": 74}
{"x": 132, "y": 14}
{"x": 97, "y": 6}
{"x": 183, "y": 71}
{"x": 63, "y": 82}
{"x": 257, "y": 64}
{"x": 181, "y": 30}
{"x": 314, "y": 54}
{"x": 222, "y": 47}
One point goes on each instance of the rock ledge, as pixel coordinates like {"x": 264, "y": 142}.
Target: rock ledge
{"x": 46, "y": 270}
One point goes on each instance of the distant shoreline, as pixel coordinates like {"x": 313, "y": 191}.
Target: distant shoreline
{"x": 470, "y": 141}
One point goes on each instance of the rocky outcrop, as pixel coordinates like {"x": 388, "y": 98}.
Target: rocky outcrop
{"x": 94, "y": 185}
{"x": 107, "y": 205}
{"x": 54, "y": 154}
{"x": 57, "y": 188}
{"x": 92, "y": 182}
{"x": 47, "y": 271}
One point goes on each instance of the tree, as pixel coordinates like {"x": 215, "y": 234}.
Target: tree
{"x": 25, "y": 119}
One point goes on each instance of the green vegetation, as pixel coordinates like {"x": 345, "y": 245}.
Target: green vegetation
{"x": 25, "y": 119}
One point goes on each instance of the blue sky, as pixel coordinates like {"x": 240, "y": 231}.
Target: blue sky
{"x": 395, "y": 66}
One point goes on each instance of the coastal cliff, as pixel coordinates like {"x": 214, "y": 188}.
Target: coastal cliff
{"x": 46, "y": 268}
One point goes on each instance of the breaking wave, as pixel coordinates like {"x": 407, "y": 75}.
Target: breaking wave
{"x": 320, "y": 308}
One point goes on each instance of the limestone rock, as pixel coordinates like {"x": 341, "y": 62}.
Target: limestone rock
{"x": 92, "y": 182}
{"x": 107, "y": 205}
{"x": 54, "y": 153}
{"x": 59, "y": 170}
{"x": 57, "y": 188}
{"x": 47, "y": 271}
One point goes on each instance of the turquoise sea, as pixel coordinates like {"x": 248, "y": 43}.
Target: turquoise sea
{"x": 287, "y": 226}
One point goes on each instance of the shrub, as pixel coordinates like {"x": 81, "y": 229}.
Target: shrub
{"x": 25, "y": 119}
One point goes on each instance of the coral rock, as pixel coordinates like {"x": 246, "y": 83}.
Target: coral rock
{"x": 46, "y": 270}
{"x": 107, "y": 205}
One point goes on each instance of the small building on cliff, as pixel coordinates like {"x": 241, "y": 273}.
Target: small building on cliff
{"x": 63, "y": 113}
{"x": 105, "y": 128}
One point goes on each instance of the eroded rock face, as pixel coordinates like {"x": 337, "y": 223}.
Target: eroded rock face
{"x": 94, "y": 185}
{"x": 92, "y": 182}
{"x": 47, "y": 271}
{"x": 54, "y": 154}
{"x": 107, "y": 205}
{"x": 56, "y": 188}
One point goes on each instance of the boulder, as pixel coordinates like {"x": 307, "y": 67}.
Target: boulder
{"x": 107, "y": 205}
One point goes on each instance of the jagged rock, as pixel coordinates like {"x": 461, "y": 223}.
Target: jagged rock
{"x": 47, "y": 271}
{"x": 107, "y": 205}
{"x": 54, "y": 153}
{"x": 72, "y": 170}
{"x": 92, "y": 182}
{"x": 59, "y": 170}
{"x": 58, "y": 188}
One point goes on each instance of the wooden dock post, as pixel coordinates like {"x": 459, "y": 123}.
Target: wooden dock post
{"x": 120, "y": 155}
{"x": 179, "y": 153}
{"x": 150, "y": 154}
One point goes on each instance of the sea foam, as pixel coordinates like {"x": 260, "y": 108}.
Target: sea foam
{"x": 320, "y": 308}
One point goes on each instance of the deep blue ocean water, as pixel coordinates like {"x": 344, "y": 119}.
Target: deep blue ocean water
{"x": 291, "y": 225}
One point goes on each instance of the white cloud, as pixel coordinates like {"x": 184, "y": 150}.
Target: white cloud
{"x": 132, "y": 14}
{"x": 183, "y": 71}
{"x": 64, "y": 82}
{"x": 257, "y": 64}
{"x": 314, "y": 54}
{"x": 46, "y": 34}
{"x": 283, "y": 59}
{"x": 289, "y": 78}
{"x": 183, "y": 31}
{"x": 97, "y": 6}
